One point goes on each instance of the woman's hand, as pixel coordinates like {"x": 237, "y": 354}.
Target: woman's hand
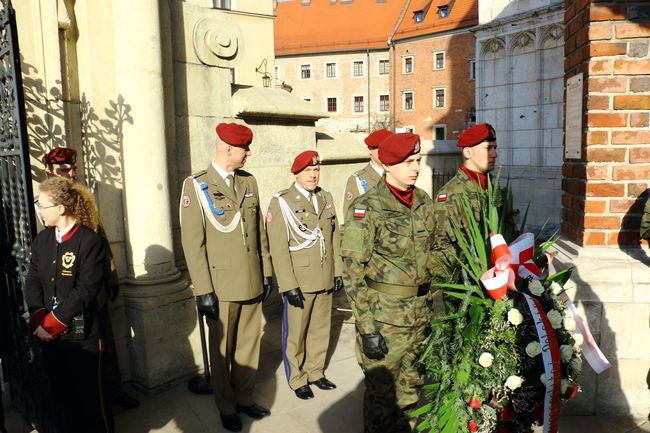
{"x": 43, "y": 334}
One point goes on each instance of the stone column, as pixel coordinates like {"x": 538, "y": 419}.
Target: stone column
{"x": 159, "y": 307}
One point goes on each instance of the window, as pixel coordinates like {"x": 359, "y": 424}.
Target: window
{"x": 418, "y": 16}
{"x": 439, "y": 98}
{"x": 330, "y": 70}
{"x": 439, "y": 60}
{"x": 277, "y": 72}
{"x": 443, "y": 11}
{"x": 222, "y": 4}
{"x": 358, "y": 104}
{"x": 357, "y": 69}
{"x": 472, "y": 69}
{"x": 383, "y": 67}
{"x": 305, "y": 72}
{"x": 331, "y": 105}
{"x": 408, "y": 102}
{"x": 440, "y": 132}
{"x": 408, "y": 65}
{"x": 410, "y": 129}
{"x": 384, "y": 103}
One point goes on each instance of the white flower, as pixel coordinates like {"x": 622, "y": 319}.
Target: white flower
{"x": 514, "y": 382}
{"x": 485, "y": 360}
{"x": 543, "y": 379}
{"x": 566, "y": 352}
{"x": 555, "y": 317}
{"x": 569, "y": 322}
{"x": 533, "y": 349}
{"x": 578, "y": 339}
{"x": 536, "y": 288}
{"x": 515, "y": 317}
{"x": 576, "y": 365}
{"x": 564, "y": 384}
{"x": 556, "y": 289}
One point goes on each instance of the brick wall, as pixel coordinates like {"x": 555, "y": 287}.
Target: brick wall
{"x": 604, "y": 192}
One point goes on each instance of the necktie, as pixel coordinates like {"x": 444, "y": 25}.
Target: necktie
{"x": 231, "y": 180}
{"x": 313, "y": 202}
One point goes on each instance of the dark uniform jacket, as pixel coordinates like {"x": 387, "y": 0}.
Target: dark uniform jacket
{"x": 71, "y": 271}
{"x": 645, "y": 221}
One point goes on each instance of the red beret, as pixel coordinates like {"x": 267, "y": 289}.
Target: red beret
{"x": 235, "y": 134}
{"x": 60, "y": 155}
{"x": 398, "y": 147}
{"x": 477, "y": 134}
{"x": 304, "y": 160}
{"x": 375, "y": 138}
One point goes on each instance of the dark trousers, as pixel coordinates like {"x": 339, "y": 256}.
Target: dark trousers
{"x": 76, "y": 380}
{"x": 111, "y": 365}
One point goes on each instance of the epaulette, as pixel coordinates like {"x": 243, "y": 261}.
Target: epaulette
{"x": 198, "y": 174}
{"x": 280, "y": 193}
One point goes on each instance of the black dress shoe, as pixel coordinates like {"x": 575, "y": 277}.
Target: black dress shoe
{"x": 323, "y": 384}
{"x": 254, "y": 411}
{"x": 304, "y": 392}
{"x": 231, "y": 422}
{"x": 126, "y": 401}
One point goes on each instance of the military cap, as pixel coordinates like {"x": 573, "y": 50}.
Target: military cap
{"x": 375, "y": 138}
{"x": 398, "y": 147}
{"x": 235, "y": 134}
{"x": 304, "y": 160}
{"x": 477, "y": 134}
{"x": 60, "y": 155}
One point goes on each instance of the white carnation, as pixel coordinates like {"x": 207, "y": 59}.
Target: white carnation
{"x": 556, "y": 289}
{"x": 514, "y": 382}
{"x": 566, "y": 352}
{"x": 569, "y": 322}
{"x": 543, "y": 379}
{"x": 515, "y": 317}
{"x": 533, "y": 349}
{"x": 578, "y": 339}
{"x": 485, "y": 360}
{"x": 576, "y": 365}
{"x": 536, "y": 288}
{"x": 555, "y": 317}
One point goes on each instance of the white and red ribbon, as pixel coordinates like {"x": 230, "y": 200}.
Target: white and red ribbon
{"x": 499, "y": 278}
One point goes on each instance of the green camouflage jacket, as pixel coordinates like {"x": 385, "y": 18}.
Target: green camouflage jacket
{"x": 645, "y": 221}
{"x": 386, "y": 242}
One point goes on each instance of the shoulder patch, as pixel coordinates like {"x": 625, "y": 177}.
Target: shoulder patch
{"x": 359, "y": 213}
{"x": 349, "y": 196}
{"x": 186, "y": 201}
{"x": 441, "y": 197}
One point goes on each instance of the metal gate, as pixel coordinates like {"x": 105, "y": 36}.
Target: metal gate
{"x": 22, "y": 360}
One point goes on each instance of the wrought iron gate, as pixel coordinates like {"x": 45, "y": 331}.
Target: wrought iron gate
{"x": 22, "y": 359}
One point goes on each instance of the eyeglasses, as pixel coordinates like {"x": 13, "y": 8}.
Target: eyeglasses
{"x": 41, "y": 207}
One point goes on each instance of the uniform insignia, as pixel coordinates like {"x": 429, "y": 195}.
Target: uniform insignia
{"x": 269, "y": 217}
{"x": 441, "y": 197}
{"x": 186, "y": 201}
{"x": 348, "y": 195}
{"x": 249, "y": 194}
{"x": 303, "y": 227}
{"x": 328, "y": 206}
{"x": 306, "y": 215}
{"x": 359, "y": 213}
{"x": 67, "y": 261}
{"x": 228, "y": 205}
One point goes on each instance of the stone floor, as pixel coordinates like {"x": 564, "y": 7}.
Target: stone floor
{"x": 340, "y": 410}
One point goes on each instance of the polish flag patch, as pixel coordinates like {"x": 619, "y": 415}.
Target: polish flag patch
{"x": 359, "y": 213}
{"x": 442, "y": 197}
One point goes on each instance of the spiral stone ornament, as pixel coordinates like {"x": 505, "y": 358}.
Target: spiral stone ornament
{"x": 218, "y": 41}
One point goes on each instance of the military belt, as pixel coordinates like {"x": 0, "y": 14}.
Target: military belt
{"x": 397, "y": 290}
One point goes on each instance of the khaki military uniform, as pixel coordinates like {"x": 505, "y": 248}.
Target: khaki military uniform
{"x": 645, "y": 222}
{"x": 305, "y": 249}
{"x": 359, "y": 183}
{"x": 226, "y": 250}
{"x": 386, "y": 252}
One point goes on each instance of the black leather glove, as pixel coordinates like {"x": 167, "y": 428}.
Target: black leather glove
{"x": 338, "y": 285}
{"x": 113, "y": 291}
{"x": 374, "y": 345}
{"x": 208, "y": 305}
{"x": 294, "y": 297}
{"x": 267, "y": 286}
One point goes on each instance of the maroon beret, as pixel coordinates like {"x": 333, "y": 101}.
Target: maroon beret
{"x": 375, "y": 138}
{"x": 398, "y": 147}
{"x": 235, "y": 134}
{"x": 476, "y": 134}
{"x": 304, "y": 160}
{"x": 60, "y": 155}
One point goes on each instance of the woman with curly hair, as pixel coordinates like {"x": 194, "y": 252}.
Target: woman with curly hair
{"x": 62, "y": 289}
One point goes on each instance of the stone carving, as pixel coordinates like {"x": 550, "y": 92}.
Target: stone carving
{"x": 218, "y": 41}
{"x": 523, "y": 40}
{"x": 493, "y": 45}
{"x": 553, "y": 35}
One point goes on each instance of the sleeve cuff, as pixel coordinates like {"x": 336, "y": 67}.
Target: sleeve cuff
{"x": 37, "y": 318}
{"x": 53, "y": 325}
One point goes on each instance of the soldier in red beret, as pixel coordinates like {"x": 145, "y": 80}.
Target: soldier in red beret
{"x": 386, "y": 248}
{"x": 304, "y": 240}
{"x": 363, "y": 180}
{"x": 61, "y": 162}
{"x": 226, "y": 251}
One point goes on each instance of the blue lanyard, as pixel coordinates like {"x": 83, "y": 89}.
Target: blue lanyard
{"x": 204, "y": 188}
{"x": 364, "y": 184}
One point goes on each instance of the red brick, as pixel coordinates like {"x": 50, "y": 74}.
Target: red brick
{"x": 632, "y": 30}
{"x": 631, "y": 67}
{"x": 639, "y": 155}
{"x": 606, "y": 13}
{"x": 600, "y": 31}
{"x": 631, "y": 172}
{"x": 610, "y": 85}
{"x": 631, "y": 137}
{"x": 639, "y": 120}
{"x": 625, "y": 206}
{"x": 595, "y": 206}
{"x": 630, "y": 237}
{"x": 602, "y": 49}
{"x": 605, "y": 190}
{"x": 632, "y": 102}
{"x": 639, "y": 84}
{"x": 574, "y": 186}
{"x": 572, "y": 232}
{"x": 567, "y": 200}
{"x": 597, "y": 172}
{"x": 637, "y": 190}
{"x": 605, "y": 154}
{"x": 602, "y": 222}
{"x": 606, "y": 120}
{"x": 600, "y": 67}
{"x": 597, "y": 137}
{"x": 594, "y": 238}
{"x": 597, "y": 102}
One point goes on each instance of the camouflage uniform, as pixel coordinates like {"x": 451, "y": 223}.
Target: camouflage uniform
{"x": 387, "y": 264}
{"x": 359, "y": 183}
{"x": 645, "y": 221}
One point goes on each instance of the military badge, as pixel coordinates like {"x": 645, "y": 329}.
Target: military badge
{"x": 249, "y": 194}
{"x": 328, "y": 206}
{"x": 67, "y": 261}
{"x": 359, "y": 213}
{"x": 348, "y": 195}
{"x": 186, "y": 201}
{"x": 302, "y": 227}
{"x": 269, "y": 217}
{"x": 441, "y": 198}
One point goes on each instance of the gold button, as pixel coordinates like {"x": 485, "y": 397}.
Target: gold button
{"x": 52, "y": 279}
